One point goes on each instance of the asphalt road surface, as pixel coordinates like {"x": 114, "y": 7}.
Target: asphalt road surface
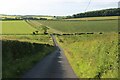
{"x": 54, "y": 65}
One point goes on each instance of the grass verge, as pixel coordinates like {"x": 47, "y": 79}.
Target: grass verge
{"x": 92, "y": 56}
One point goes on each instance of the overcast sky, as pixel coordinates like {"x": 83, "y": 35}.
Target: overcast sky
{"x": 53, "y": 7}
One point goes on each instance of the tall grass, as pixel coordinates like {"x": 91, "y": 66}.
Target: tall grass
{"x": 92, "y": 56}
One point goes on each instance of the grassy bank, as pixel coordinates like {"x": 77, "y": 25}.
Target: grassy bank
{"x": 92, "y": 56}
{"x": 18, "y": 57}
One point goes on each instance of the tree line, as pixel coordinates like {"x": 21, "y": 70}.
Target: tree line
{"x": 24, "y": 18}
{"x": 106, "y": 12}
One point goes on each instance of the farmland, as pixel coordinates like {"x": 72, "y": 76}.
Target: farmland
{"x": 16, "y": 27}
{"x": 86, "y": 53}
{"x": 92, "y": 56}
{"x": 95, "y": 18}
{"x": 82, "y": 26}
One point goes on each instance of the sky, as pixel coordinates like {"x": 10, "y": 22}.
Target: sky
{"x": 53, "y": 7}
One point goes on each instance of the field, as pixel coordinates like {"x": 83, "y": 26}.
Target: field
{"x": 16, "y": 27}
{"x": 92, "y": 56}
{"x": 2, "y": 16}
{"x": 8, "y": 16}
{"x": 47, "y": 17}
{"x": 21, "y": 49}
{"x": 95, "y": 18}
{"x": 81, "y": 26}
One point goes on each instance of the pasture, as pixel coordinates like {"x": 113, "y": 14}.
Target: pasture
{"x": 81, "y": 26}
{"x": 16, "y": 27}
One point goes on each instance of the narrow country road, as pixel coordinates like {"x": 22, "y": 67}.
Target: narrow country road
{"x": 54, "y": 65}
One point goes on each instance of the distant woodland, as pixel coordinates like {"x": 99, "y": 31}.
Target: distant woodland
{"x": 106, "y": 12}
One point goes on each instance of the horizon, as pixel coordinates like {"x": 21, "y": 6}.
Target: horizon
{"x": 54, "y": 7}
{"x": 53, "y": 15}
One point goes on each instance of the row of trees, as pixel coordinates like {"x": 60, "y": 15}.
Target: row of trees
{"x": 106, "y": 12}
{"x": 24, "y": 18}
{"x": 32, "y": 18}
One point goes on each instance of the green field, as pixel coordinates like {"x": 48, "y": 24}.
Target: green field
{"x": 92, "y": 56}
{"x": 81, "y": 26}
{"x": 16, "y": 27}
{"x": 11, "y": 27}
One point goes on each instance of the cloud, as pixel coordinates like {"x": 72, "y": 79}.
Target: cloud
{"x": 52, "y": 7}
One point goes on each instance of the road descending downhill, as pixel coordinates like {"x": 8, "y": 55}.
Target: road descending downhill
{"x": 54, "y": 65}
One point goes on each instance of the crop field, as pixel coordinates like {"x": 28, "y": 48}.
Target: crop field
{"x": 47, "y": 17}
{"x": 16, "y": 27}
{"x": 95, "y": 18}
{"x": 82, "y": 26}
{"x": 92, "y": 56}
{"x": 7, "y": 16}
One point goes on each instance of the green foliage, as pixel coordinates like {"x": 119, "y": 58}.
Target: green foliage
{"x": 92, "y": 56}
{"x": 45, "y": 29}
{"x": 38, "y": 26}
{"x": 106, "y": 12}
{"x": 21, "y": 52}
{"x": 21, "y": 56}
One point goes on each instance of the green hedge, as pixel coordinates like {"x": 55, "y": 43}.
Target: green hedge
{"x": 21, "y": 56}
